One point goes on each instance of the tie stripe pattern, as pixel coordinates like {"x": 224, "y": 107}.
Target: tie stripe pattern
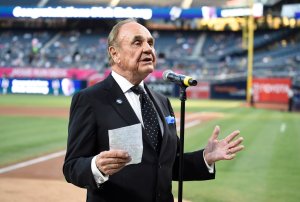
{"x": 150, "y": 119}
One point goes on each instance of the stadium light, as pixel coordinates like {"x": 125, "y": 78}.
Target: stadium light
{"x": 93, "y": 12}
{"x": 114, "y": 3}
{"x": 186, "y": 4}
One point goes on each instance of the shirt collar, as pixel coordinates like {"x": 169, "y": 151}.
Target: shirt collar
{"x": 124, "y": 84}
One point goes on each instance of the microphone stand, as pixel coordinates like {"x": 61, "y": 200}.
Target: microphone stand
{"x": 182, "y": 120}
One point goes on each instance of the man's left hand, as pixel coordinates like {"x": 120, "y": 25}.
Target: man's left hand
{"x": 225, "y": 149}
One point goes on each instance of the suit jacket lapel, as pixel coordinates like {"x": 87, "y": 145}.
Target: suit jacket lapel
{"x": 119, "y": 102}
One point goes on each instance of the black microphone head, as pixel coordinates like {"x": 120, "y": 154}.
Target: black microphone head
{"x": 193, "y": 82}
{"x": 165, "y": 74}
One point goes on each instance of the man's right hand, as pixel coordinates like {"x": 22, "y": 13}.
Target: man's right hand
{"x": 110, "y": 162}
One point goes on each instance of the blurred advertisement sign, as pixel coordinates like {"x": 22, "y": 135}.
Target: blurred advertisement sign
{"x": 229, "y": 90}
{"x": 83, "y": 12}
{"x": 146, "y": 13}
{"x": 201, "y": 91}
{"x": 256, "y": 11}
{"x": 49, "y": 73}
{"x": 63, "y": 86}
{"x": 30, "y": 86}
{"x": 271, "y": 90}
{"x": 163, "y": 87}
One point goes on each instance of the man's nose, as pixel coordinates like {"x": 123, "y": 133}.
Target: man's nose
{"x": 147, "y": 47}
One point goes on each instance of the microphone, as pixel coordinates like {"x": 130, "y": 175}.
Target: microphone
{"x": 180, "y": 79}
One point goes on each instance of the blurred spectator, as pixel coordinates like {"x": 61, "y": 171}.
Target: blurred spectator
{"x": 4, "y": 84}
{"x": 291, "y": 99}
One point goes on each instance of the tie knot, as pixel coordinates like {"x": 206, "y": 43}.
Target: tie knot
{"x": 137, "y": 90}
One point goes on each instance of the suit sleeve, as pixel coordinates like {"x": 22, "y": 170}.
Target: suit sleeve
{"x": 194, "y": 167}
{"x": 81, "y": 143}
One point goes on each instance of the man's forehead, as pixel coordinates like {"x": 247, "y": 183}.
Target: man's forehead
{"x": 134, "y": 30}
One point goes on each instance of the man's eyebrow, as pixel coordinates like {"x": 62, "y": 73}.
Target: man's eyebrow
{"x": 151, "y": 39}
{"x": 137, "y": 38}
{"x": 140, "y": 38}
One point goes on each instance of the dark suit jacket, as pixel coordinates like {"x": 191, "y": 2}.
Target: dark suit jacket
{"x": 93, "y": 112}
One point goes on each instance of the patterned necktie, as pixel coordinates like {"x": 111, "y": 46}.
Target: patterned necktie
{"x": 150, "y": 119}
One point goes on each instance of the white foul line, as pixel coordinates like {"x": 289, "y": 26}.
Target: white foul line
{"x": 31, "y": 162}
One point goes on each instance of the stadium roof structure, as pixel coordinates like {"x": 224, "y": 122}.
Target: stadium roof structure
{"x": 147, "y": 3}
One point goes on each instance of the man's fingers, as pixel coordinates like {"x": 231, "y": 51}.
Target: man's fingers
{"x": 235, "y": 142}
{"x": 105, "y": 161}
{"x": 110, "y": 162}
{"x": 215, "y": 133}
{"x": 231, "y": 153}
{"x": 230, "y": 156}
{"x": 113, "y": 157}
{"x": 236, "y": 149}
{"x": 114, "y": 154}
{"x": 113, "y": 166}
{"x": 231, "y": 136}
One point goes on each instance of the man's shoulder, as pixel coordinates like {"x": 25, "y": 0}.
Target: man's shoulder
{"x": 96, "y": 89}
{"x": 158, "y": 95}
{"x": 101, "y": 85}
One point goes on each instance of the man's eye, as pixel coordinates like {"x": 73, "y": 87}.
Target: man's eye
{"x": 137, "y": 43}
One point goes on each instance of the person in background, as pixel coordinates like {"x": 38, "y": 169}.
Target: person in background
{"x": 4, "y": 84}
{"x": 123, "y": 100}
{"x": 291, "y": 99}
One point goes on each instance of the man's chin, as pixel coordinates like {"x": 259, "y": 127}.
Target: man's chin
{"x": 150, "y": 70}
{"x": 147, "y": 68}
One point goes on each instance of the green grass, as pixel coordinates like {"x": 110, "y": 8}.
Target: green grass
{"x": 26, "y": 137}
{"x": 267, "y": 170}
{"x": 34, "y": 100}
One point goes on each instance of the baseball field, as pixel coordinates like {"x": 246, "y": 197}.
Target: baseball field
{"x": 33, "y": 134}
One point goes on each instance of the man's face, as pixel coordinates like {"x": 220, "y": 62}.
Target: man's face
{"x": 135, "y": 53}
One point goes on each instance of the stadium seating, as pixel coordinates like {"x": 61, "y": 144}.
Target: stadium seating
{"x": 202, "y": 53}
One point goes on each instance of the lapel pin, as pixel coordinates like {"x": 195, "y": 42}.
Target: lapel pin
{"x": 119, "y": 101}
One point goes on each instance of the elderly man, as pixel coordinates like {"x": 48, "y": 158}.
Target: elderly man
{"x": 122, "y": 100}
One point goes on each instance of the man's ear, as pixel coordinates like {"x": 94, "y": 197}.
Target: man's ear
{"x": 114, "y": 54}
